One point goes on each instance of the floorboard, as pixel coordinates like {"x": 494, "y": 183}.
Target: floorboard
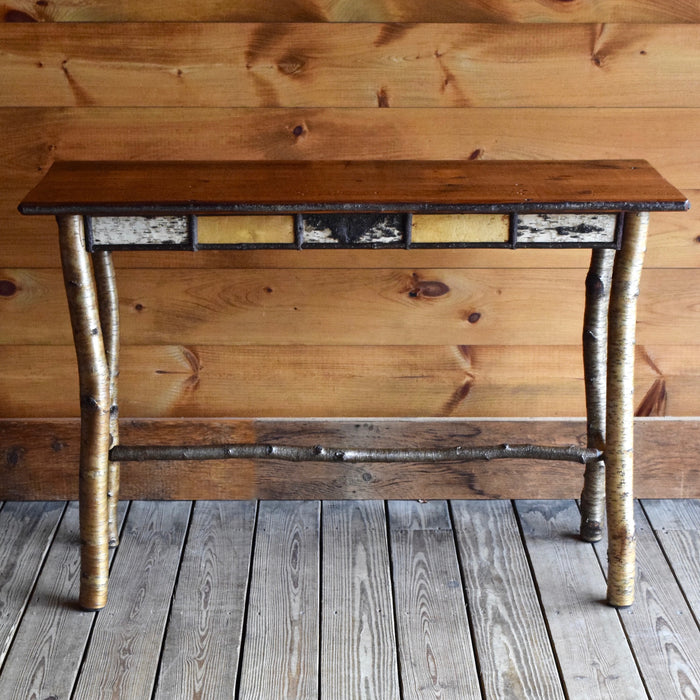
{"x": 514, "y": 649}
{"x": 26, "y": 531}
{"x": 592, "y": 651}
{"x": 49, "y": 646}
{"x": 432, "y": 626}
{"x": 391, "y": 600}
{"x": 280, "y": 659}
{"x": 358, "y": 634}
{"x": 122, "y": 658}
{"x": 203, "y": 641}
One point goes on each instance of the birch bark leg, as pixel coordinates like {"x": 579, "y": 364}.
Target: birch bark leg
{"x": 595, "y": 350}
{"x": 108, "y": 303}
{"x": 619, "y": 452}
{"x": 94, "y": 412}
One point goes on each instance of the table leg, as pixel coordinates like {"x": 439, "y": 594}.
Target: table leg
{"x": 595, "y": 350}
{"x": 94, "y": 411}
{"x": 108, "y": 303}
{"x": 619, "y": 451}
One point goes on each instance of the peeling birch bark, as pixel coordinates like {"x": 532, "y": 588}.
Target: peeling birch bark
{"x": 619, "y": 451}
{"x": 94, "y": 412}
{"x": 595, "y": 350}
{"x": 108, "y": 302}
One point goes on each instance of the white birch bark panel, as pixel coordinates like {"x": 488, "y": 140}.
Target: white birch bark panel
{"x": 351, "y": 230}
{"x": 566, "y": 228}
{"x": 139, "y": 230}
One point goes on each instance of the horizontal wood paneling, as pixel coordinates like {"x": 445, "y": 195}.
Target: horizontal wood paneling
{"x": 315, "y": 65}
{"x": 435, "y": 380}
{"x": 608, "y": 79}
{"x": 39, "y": 459}
{"x": 343, "y": 11}
{"x": 348, "y": 307}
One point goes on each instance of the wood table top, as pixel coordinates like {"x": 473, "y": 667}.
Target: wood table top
{"x": 182, "y": 187}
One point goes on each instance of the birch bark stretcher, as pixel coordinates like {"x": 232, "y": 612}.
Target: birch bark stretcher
{"x": 601, "y": 205}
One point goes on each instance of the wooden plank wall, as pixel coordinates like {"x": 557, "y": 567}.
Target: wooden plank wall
{"x": 365, "y": 333}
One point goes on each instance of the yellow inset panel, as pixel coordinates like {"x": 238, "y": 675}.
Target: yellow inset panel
{"x": 233, "y": 230}
{"x": 460, "y": 228}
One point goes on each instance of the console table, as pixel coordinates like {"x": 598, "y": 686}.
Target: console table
{"x": 601, "y": 205}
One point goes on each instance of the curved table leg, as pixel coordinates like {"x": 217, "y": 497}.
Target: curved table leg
{"x": 94, "y": 412}
{"x": 619, "y": 452}
{"x": 108, "y": 302}
{"x": 595, "y": 350}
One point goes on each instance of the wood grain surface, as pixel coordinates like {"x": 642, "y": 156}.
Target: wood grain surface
{"x": 349, "y": 307}
{"x": 419, "y": 380}
{"x": 49, "y": 646}
{"x": 432, "y": 626}
{"x": 366, "y": 11}
{"x": 555, "y": 80}
{"x": 350, "y": 65}
{"x": 281, "y": 655}
{"x": 202, "y": 646}
{"x": 145, "y": 566}
{"x": 569, "y": 578}
{"x": 504, "y": 603}
{"x": 358, "y": 631}
{"x": 40, "y": 457}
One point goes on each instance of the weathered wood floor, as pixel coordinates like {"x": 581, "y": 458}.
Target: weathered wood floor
{"x": 460, "y": 599}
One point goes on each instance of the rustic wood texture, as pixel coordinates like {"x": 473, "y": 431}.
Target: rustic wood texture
{"x": 88, "y": 187}
{"x": 405, "y": 306}
{"x": 316, "y": 65}
{"x": 677, "y": 526}
{"x": 660, "y": 626}
{"x": 48, "y": 648}
{"x": 202, "y": 645}
{"x": 664, "y": 637}
{"x": 26, "y": 531}
{"x": 610, "y": 70}
{"x": 504, "y": 604}
{"x": 432, "y": 627}
{"x": 388, "y": 381}
{"x": 339, "y": 11}
{"x": 40, "y": 457}
{"x": 52, "y": 646}
{"x": 281, "y": 656}
{"x": 125, "y": 643}
{"x": 571, "y": 587}
{"x": 358, "y": 629}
